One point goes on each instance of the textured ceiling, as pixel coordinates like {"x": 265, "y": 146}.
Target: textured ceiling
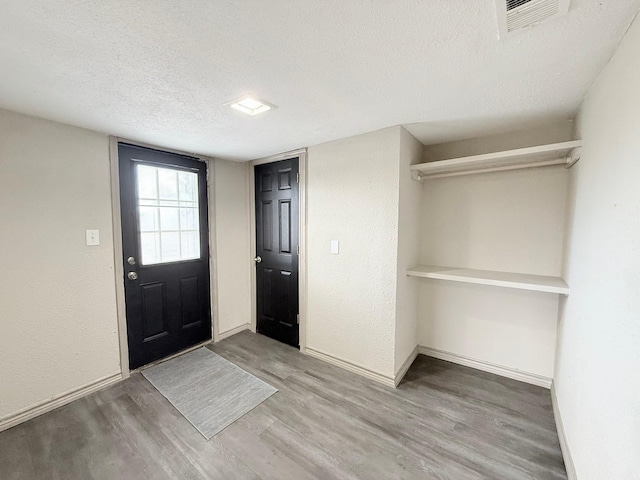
{"x": 160, "y": 71}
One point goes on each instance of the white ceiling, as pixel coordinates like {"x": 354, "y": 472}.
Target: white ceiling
{"x": 160, "y": 71}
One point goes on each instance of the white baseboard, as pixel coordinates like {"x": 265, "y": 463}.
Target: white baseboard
{"x": 404, "y": 368}
{"x": 351, "y": 367}
{"x": 233, "y": 331}
{"x": 31, "y": 412}
{"x": 564, "y": 445}
{"x": 503, "y": 371}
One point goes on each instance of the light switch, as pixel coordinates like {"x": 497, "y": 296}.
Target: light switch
{"x": 335, "y": 247}
{"x": 93, "y": 237}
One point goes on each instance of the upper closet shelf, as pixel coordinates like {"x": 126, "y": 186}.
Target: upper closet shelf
{"x": 522, "y": 281}
{"x": 565, "y": 153}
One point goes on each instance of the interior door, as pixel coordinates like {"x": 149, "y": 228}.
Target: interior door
{"x": 277, "y": 223}
{"x": 163, "y": 200}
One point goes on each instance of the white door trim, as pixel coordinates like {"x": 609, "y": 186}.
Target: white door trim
{"x": 302, "y": 238}
{"x": 118, "y": 269}
{"x": 213, "y": 246}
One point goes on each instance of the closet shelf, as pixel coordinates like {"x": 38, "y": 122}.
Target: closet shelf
{"x": 565, "y": 153}
{"x": 538, "y": 283}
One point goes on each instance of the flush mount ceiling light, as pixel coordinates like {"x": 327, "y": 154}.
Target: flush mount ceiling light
{"x": 250, "y": 105}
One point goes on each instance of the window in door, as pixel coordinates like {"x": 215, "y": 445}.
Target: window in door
{"x": 167, "y": 201}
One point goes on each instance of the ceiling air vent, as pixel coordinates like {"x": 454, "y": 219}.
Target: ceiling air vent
{"x": 518, "y": 14}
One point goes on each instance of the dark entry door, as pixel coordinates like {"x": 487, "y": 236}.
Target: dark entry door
{"x": 277, "y": 221}
{"x": 163, "y": 200}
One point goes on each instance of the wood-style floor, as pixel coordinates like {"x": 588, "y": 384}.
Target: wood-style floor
{"x": 444, "y": 421}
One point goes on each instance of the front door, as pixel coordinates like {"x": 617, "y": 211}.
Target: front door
{"x": 165, "y": 246}
{"x": 277, "y": 222}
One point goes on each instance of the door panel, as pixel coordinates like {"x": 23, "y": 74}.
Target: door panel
{"x": 153, "y": 311}
{"x": 190, "y": 302}
{"x": 267, "y": 226}
{"x": 163, "y": 200}
{"x": 277, "y": 223}
{"x": 284, "y": 179}
{"x": 266, "y": 293}
{"x": 285, "y": 225}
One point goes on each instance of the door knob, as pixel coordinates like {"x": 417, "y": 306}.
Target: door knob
{"x": 131, "y": 261}
{"x": 132, "y": 276}
{"x": 258, "y": 259}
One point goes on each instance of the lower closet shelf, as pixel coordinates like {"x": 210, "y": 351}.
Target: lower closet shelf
{"x": 522, "y": 281}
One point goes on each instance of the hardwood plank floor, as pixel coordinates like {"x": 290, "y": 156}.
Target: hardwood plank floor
{"x": 444, "y": 421}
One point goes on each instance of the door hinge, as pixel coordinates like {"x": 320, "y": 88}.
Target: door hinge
{"x": 298, "y": 250}
{"x": 298, "y": 319}
{"x": 297, "y": 178}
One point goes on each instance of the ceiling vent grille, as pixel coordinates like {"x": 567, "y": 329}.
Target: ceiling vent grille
{"x": 511, "y": 4}
{"x": 518, "y": 14}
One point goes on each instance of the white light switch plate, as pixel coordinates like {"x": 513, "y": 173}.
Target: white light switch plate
{"x": 335, "y": 247}
{"x": 93, "y": 237}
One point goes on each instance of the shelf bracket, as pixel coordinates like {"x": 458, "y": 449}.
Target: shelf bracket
{"x": 416, "y": 175}
{"x": 573, "y": 157}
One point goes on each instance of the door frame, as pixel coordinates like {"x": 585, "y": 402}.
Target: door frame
{"x": 118, "y": 250}
{"x": 301, "y": 154}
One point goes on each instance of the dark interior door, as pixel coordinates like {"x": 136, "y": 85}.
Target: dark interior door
{"x": 163, "y": 200}
{"x": 277, "y": 222}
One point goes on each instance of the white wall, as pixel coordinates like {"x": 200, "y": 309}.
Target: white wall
{"x": 410, "y": 191}
{"x": 511, "y": 328}
{"x": 232, "y": 244}
{"x": 57, "y": 296}
{"x": 58, "y": 311}
{"x": 554, "y": 132}
{"x": 504, "y": 221}
{"x": 597, "y": 379}
{"x": 352, "y": 196}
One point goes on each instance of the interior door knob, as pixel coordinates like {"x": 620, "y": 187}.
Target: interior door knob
{"x": 132, "y": 276}
{"x": 258, "y": 259}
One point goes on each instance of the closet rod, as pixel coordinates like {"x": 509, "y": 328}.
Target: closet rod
{"x": 548, "y": 163}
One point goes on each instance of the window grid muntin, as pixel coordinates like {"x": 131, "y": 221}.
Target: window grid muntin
{"x": 179, "y": 203}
